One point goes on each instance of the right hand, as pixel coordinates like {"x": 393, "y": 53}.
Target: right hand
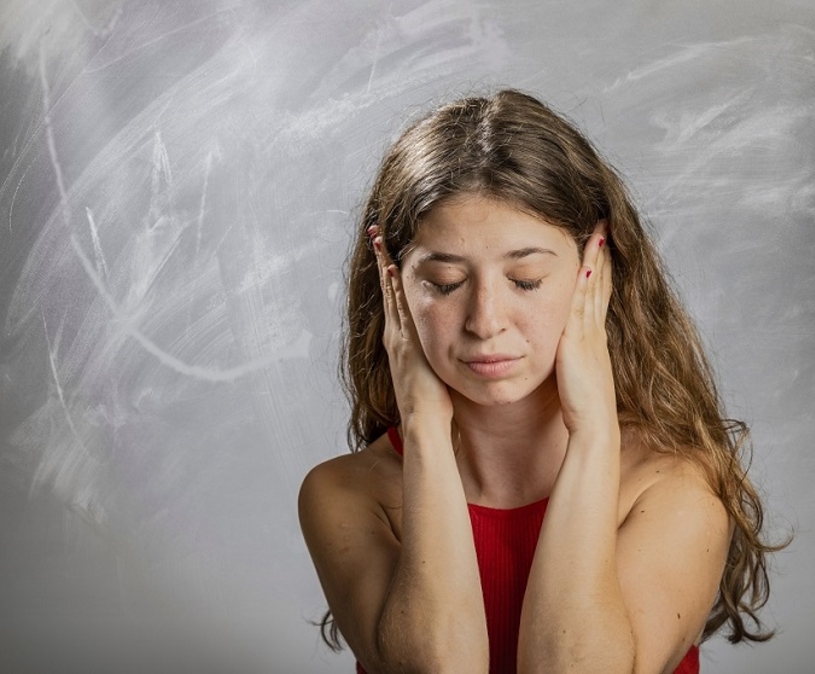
{"x": 417, "y": 387}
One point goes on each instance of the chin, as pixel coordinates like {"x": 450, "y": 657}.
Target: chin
{"x": 497, "y": 394}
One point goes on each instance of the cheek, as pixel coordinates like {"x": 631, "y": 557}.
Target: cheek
{"x": 547, "y": 322}
{"x": 563, "y": 307}
{"x": 427, "y": 317}
{"x": 432, "y": 325}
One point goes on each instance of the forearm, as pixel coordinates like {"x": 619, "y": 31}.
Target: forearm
{"x": 574, "y": 617}
{"x": 433, "y": 619}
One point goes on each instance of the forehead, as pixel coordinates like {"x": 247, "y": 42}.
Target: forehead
{"x": 474, "y": 225}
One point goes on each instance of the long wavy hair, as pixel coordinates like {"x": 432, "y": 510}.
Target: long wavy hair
{"x": 513, "y": 148}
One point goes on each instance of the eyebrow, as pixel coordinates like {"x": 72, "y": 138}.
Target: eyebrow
{"x": 512, "y": 255}
{"x": 525, "y": 252}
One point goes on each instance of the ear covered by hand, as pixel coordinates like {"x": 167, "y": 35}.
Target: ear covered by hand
{"x": 417, "y": 387}
{"x": 583, "y": 365}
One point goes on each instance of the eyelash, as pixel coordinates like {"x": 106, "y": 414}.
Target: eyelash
{"x": 528, "y": 285}
{"x": 447, "y": 288}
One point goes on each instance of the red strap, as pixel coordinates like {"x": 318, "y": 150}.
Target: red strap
{"x": 396, "y": 441}
{"x": 690, "y": 663}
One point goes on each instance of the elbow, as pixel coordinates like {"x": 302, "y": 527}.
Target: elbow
{"x": 587, "y": 653}
{"x": 424, "y": 663}
{"x": 617, "y": 656}
{"x": 425, "y": 652}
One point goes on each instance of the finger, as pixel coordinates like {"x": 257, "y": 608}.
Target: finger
{"x": 602, "y": 284}
{"x": 591, "y": 269}
{"x": 591, "y": 248}
{"x": 577, "y": 313}
{"x": 377, "y": 246}
{"x": 606, "y": 283}
{"x": 595, "y": 257}
{"x": 606, "y": 253}
{"x": 383, "y": 262}
{"x": 405, "y": 319}
{"x": 605, "y": 279}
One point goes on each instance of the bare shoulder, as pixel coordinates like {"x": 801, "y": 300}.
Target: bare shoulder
{"x": 649, "y": 475}
{"x": 672, "y": 546}
{"x": 345, "y": 507}
{"x": 369, "y": 478}
{"x": 667, "y": 497}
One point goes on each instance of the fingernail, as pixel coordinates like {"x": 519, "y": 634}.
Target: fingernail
{"x": 391, "y": 271}
{"x": 588, "y": 273}
{"x": 601, "y": 242}
{"x": 378, "y": 244}
{"x": 371, "y": 230}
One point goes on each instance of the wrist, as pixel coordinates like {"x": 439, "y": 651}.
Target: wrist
{"x": 603, "y": 437}
{"x": 421, "y": 431}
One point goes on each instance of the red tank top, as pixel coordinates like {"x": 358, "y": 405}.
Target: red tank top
{"x": 505, "y": 542}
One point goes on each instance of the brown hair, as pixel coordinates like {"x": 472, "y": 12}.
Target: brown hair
{"x": 513, "y": 148}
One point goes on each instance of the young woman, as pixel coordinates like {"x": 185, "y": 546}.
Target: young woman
{"x": 544, "y": 479}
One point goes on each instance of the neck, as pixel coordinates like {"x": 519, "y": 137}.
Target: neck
{"x": 509, "y": 455}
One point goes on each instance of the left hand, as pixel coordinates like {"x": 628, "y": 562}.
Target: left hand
{"x": 583, "y": 365}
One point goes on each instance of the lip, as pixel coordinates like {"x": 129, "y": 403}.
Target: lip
{"x": 492, "y": 366}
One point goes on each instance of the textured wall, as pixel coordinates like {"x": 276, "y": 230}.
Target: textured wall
{"x": 178, "y": 184}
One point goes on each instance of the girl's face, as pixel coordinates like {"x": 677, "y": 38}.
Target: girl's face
{"x": 490, "y": 288}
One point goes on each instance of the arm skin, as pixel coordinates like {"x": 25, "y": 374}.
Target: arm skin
{"x": 605, "y": 597}
{"x": 418, "y": 607}
{"x": 434, "y": 612}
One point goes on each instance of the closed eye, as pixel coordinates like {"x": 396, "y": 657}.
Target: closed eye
{"x": 528, "y": 285}
{"x": 446, "y": 288}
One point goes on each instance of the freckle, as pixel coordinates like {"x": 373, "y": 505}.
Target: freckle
{"x": 678, "y": 617}
{"x": 642, "y": 511}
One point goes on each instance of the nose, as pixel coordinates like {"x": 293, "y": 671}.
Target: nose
{"x": 485, "y": 314}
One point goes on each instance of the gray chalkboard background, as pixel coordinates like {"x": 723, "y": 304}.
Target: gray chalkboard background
{"x": 178, "y": 184}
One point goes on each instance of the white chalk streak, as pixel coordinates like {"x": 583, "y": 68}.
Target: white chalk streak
{"x": 101, "y": 265}
{"x": 52, "y": 359}
{"x": 13, "y": 201}
{"x": 161, "y": 167}
{"x": 297, "y": 350}
{"x": 140, "y": 46}
{"x": 52, "y": 147}
{"x": 688, "y": 54}
{"x": 373, "y": 62}
{"x": 107, "y": 30}
{"x": 202, "y": 206}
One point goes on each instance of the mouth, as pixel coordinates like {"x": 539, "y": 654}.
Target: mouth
{"x": 493, "y": 366}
